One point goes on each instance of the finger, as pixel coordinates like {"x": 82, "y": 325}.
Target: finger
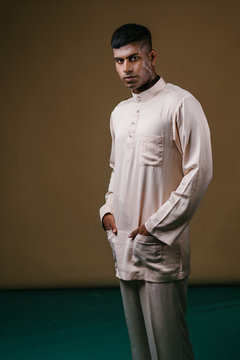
{"x": 143, "y": 230}
{"x": 133, "y": 234}
{"x": 114, "y": 227}
{"x": 114, "y": 230}
{"x": 111, "y": 226}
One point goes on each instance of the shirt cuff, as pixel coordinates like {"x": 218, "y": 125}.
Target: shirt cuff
{"x": 168, "y": 237}
{"x": 104, "y": 210}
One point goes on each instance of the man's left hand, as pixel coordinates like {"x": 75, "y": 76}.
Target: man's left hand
{"x": 140, "y": 230}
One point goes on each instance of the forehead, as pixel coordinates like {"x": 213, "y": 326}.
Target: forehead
{"x": 127, "y": 50}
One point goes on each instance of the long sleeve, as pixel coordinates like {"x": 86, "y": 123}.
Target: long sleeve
{"x": 108, "y": 206}
{"x": 192, "y": 138}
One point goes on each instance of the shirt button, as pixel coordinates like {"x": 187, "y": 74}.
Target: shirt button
{"x": 137, "y": 111}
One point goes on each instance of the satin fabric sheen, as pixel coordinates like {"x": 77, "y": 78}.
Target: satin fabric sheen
{"x": 161, "y": 167}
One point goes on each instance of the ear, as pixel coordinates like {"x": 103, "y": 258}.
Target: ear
{"x": 153, "y": 57}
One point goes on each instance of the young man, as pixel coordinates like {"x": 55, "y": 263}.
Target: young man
{"x": 161, "y": 166}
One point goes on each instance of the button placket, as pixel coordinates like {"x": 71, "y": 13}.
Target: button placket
{"x": 132, "y": 128}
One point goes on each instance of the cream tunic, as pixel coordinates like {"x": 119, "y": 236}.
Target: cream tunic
{"x": 161, "y": 166}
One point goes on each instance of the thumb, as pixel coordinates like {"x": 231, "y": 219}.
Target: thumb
{"x": 114, "y": 229}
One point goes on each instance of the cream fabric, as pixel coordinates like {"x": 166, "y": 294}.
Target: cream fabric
{"x": 161, "y": 166}
{"x": 155, "y": 316}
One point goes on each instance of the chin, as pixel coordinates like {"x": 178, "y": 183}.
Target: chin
{"x": 130, "y": 86}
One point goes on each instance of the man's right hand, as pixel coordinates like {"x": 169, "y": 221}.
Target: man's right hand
{"x": 109, "y": 223}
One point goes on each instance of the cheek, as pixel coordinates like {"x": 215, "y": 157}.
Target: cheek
{"x": 143, "y": 69}
{"x": 138, "y": 69}
{"x": 143, "y": 73}
{"x": 147, "y": 67}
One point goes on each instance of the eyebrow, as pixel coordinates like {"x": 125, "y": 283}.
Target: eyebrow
{"x": 118, "y": 57}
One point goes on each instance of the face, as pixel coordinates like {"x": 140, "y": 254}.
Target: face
{"x": 135, "y": 65}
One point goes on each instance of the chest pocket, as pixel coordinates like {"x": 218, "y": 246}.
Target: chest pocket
{"x": 151, "y": 150}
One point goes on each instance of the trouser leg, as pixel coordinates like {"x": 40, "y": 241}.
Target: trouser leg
{"x": 135, "y": 320}
{"x": 155, "y": 316}
{"x": 164, "y": 307}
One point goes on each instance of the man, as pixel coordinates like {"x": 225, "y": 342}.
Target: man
{"x": 161, "y": 166}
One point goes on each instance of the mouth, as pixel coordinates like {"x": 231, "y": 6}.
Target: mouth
{"x": 127, "y": 78}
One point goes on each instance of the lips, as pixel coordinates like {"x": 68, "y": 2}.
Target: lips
{"x": 129, "y": 77}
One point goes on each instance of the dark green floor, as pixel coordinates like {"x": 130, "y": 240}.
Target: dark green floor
{"x": 88, "y": 324}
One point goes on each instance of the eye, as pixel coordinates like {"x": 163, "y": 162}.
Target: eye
{"x": 119, "y": 61}
{"x": 134, "y": 58}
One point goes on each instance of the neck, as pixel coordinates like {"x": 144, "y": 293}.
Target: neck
{"x": 147, "y": 85}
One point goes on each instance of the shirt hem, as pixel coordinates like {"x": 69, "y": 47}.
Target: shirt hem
{"x": 153, "y": 278}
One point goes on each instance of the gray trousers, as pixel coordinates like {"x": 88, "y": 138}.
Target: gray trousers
{"x": 155, "y": 316}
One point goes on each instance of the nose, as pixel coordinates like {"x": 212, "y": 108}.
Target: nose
{"x": 127, "y": 67}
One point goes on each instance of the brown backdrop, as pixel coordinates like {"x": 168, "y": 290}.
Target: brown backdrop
{"x": 58, "y": 89}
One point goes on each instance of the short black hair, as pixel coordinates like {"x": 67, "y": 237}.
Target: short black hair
{"x": 129, "y": 33}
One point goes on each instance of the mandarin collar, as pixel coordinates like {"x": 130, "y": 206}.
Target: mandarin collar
{"x": 151, "y": 92}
